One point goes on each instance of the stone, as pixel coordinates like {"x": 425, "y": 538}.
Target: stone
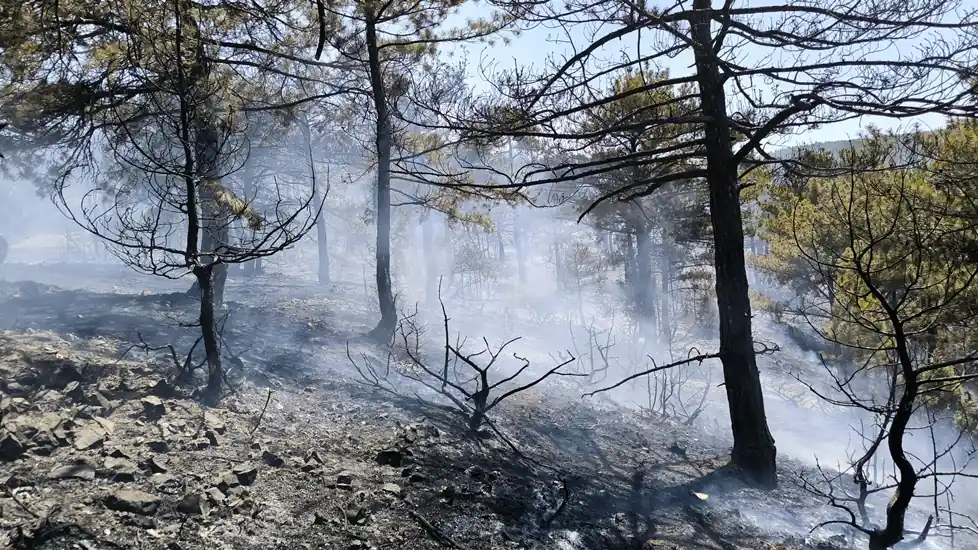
{"x": 136, "y": 502}
{"x": 74, "y": 392}
{"x": 99, "y": 399}
{"x": 212, "y": 438}
{"x": 158, "y": 446}
{"x": 156, "y": 465}
{"x": 225, "y": 481}
{"x": 194, "y": 504}
{"x": 246, "y": 473}
{"x": 215, "y": 495}
{"x": 313, "y": 455}
{"x": 77, "y": 470}
{"x": 89, "y": 437}
{"x": 344, "y": 479}
{"x": 162, "y": 388}
{"x": 272, "y": 459}
{"x": 153, "y": 408}
{"x": 214, "y": 422}
{"x": 10, "y": 448}
{"x": 391, "y": 457}
{"x": 392, "y": 488}
{"x": 475, "y": 472}
{"x": 120, "y": 469}
{"x": 106, "y": 424}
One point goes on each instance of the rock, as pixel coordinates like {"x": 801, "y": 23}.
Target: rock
{"x": 246, "y": 473}
{"x": 215, "y": 495}
{"x": 215, "y": 423}
{"x": 99, "y": 399}
{"x": 66, "y": 374}
{"x": 136, "y": 502}
{"x": 120, "y": 469}
{"x": 89, "y": 437}
{"x": 10, "y": 448}
{"x": 158, "y": 446}
{"x": 310, "y": 467}
{"x": 195, "y": 504}
{"x": 153, "y": 408}
{"x": 106, "y": 424}
{"x": 319, "y": 518}
{"x": 225, "y": 481}
{"x": 272, "y": 459}
{"x": 344, "y": 480}
{"x": 162, "y": 388}
{"x": 475, "y": 472}
{"x": 391, "y": 457}
{"x": 155, "y": 465}
{"x": 119, "y": 453}
{"x": 392, "y": 488}
{"x": 417, "y": 478}
{"x": 212, "y": 438}
{"x": 74, "y": 392}
{"x": 14, "y": 481}
{"x": 313, "y": 455}
{"x": 80, "y": 469}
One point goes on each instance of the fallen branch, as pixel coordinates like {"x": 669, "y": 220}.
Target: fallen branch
{"x": 262, "y": 415}
{"x": 435, "y": 533}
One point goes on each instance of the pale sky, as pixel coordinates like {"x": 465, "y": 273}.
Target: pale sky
{"x": 532, "y": 49}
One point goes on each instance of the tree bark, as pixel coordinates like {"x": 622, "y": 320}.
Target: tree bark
{"x": 754, "y": 450}
{"x": 208, "y": 327}
{"x": 643, "y": 281}
{"x": 384, "y": 330}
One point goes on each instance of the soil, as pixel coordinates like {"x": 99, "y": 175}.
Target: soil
{"x": 102, "y": 448}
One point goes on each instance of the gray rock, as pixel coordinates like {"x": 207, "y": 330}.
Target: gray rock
{"x": 10, "y": 448}
{"x": 78, "y": 470}
{"x": 136, "y": 502}
{"x": 153, "y": 408}
{"x": 120, "y": 469}
{"x": 246, "y": 473}
{"x": 89, "y": 437}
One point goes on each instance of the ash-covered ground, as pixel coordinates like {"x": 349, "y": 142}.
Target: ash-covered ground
{"x": 101, "y": 452}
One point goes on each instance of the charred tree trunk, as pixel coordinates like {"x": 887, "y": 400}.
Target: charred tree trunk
{"x": 208, "y": 327}
{"x": 665, "y": 321}
{"x": 754, "y": 450}
{"x": 644, "y": 285}
{"x": 384, "y": 330}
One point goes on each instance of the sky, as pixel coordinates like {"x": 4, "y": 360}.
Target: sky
{"x": 531, "y": 49}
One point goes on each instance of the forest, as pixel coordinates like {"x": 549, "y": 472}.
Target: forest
{"x": 306, "y": 224}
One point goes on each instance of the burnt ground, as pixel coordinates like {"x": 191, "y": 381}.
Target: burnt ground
{"x": 100, "y": 452}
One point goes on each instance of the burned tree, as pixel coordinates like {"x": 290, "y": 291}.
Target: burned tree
{"x": 807, "y": 66}
{"x": 165, "y": 196}
{"x": 474, "y": 382}
{"x": 900, "y": 289}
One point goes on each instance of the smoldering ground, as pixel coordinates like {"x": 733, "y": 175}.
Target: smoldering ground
{"x": 291, "y": 324}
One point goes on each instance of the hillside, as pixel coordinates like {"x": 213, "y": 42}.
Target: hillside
{"x": 103, "y": 452}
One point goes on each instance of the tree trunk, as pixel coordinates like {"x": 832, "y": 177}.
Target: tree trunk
{"x": 322, "y": 238}
{"x": 384, "y": 330}
{"x": 754, "y": 450}
{"x": 208, "y": 327}
{"x": 644, "y": 301}
{"x": 665, "y": 320}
